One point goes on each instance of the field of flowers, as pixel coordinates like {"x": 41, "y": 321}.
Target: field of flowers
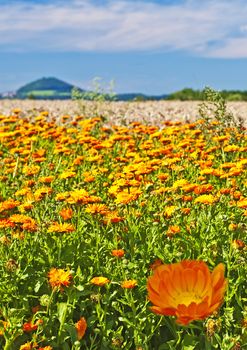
{"x": 122, "y": 237}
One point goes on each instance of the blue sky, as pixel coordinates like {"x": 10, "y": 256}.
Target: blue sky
{"x": 149, "y": 46}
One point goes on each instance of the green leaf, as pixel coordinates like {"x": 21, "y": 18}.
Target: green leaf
{"x": 38, "y": 285}
{"x": 189, "y": 342}
{"x": 72, "y": 332}
{"x": 168, "y": 345}
{"x": 61, "y": 311}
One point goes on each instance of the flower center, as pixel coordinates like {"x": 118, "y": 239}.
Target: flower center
{"x": 187, "y": 298}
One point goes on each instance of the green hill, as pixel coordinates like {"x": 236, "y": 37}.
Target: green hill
{"x": 46, "y": 88}
{"x": 53, "y": 88}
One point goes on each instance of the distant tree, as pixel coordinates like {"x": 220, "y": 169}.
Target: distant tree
{"x": 235, "y": 97}
{"x": 186, "y": 94}
{"x": 140, "y": 98}
{"x": 189, "y": 94}
{"x": 31, "y": 96}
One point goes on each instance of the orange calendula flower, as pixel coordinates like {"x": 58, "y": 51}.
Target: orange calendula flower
{"x": 81, "y": 327}
{"x": 99, "y": 281}
{"x": 5, "y": 223}
{"x": 232, "y": 226}
{"x": 59, "y": 278}
{"x": 31, "y": 170}
{"x": 46, "y": 179}
{"x": 29, "y": 226}
{"x": 129, "y": 284}
{"x": 97, "y": 208}
{"x": 89, "y": 178}
{"x": 3, "y": 326}
{"x": 8, "y": 204}
{"x": 242, "y": 203}
{"x": 66, "y": 213}
{"x": 186, "y": 290}
{"x": 20, "y": 219}
{"x": 112, "y": 217}
{"x": 119, "y": 253}
{"x": 125, "y": 198}
{"x": 225, "y": 190}
{"x": 187, "y": 198}
{"x": 202, "y": 189}
{"x": 163, "y": 176}
{"x": 238, "y": 244}
{"x": 26, "y": 346}
{"x": 46, "y": 348}
{"x": 172, "y": 230}
{"x": 185, "y": 211}
{"x": 61, "y": 228}
{"x": 30, "y": 327}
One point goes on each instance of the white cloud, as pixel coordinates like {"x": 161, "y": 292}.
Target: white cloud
{"x": 206, "y": 28}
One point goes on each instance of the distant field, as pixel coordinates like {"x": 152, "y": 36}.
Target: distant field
{"x": 48, "y": 93}
{"x": 155, "y": 112}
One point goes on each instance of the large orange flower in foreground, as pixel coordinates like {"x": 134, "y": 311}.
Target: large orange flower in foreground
{"x": 186, "y": 290}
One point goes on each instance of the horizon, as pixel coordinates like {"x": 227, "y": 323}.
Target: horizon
{"x": 152, "y": 47}
{"x": 122, "y": 93}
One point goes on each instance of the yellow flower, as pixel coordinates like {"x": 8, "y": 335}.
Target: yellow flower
{"x": 112, "y": 217}
{"x": 46, "y": 179}
{"x": 78, "y": 196}
{"x": 206, "y": 199}
{"x": 126, "y": 197}
{"x": 62, "y": 196}
{"x": 67, "y": 174}
{"x": 26, "y": 346}
{"x": 31, "y": 170}
{"x": 59, "y": 278}
{"x": 129, "y": 284}
{"x": 99, "y": 281}
{"x": 242, "y": 203}
{"x": 61, "y": 228}
{"x": 169, "y": 211}
{"x": 180, "y": 183}
{"x": 97, "y": 208}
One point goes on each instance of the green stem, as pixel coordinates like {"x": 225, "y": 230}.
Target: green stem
{"x": 50, "y": 301}
{"x": 63, "y": 321}
{"x": 8, "y": 344}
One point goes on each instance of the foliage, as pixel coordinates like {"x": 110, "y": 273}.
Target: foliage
{"x": 186, "y": 94}
{"x": 214, "y": 113}
{"x": 99, "y": 93}
{"x": 189, "y": 94}
{"x": 85, "y": 207}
